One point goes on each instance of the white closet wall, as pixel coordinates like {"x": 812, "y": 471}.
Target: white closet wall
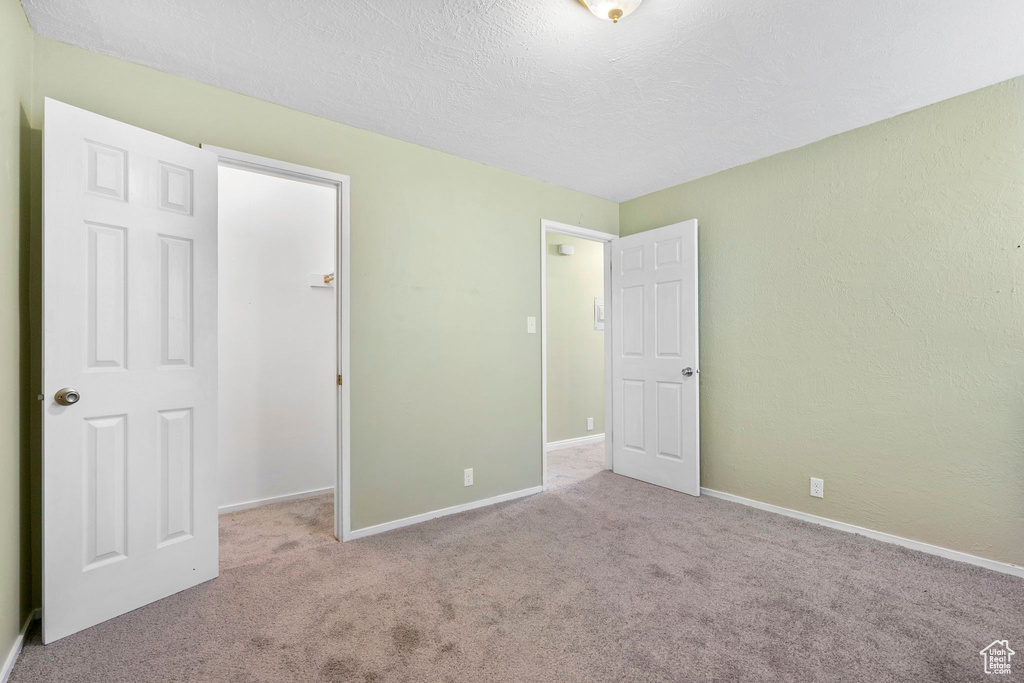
{"x": 277, "y": 338}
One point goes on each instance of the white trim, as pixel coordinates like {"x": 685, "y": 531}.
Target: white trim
{"x": 259, "y": 502}
{"x": 443, "y": 512}
{"x": 576, "y": 231}
{"x": 253, "y": 162}
{"x": 343, "y": 270}
{"x": 609, "y": 329}
{"x": 578, "y": 441}
{"x": 547, "y": 226}
{"x": 19, "y": 643}
{"x": 994, "y": 565}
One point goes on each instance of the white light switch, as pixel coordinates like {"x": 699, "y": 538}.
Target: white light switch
{"x": 599, "y": 313}
{"x": 531, "y": 325}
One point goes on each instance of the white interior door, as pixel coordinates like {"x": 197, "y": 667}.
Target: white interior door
{"x": 655, "y": 432}
{"x": 129, "y": 323}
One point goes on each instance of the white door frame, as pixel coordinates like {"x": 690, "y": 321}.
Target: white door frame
{"x": 547, "y": 226}
{"x": 283, "y": 169}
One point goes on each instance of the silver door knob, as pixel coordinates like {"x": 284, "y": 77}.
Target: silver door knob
{"x": 688, "y": 372}
{"x": 67, "y": 396}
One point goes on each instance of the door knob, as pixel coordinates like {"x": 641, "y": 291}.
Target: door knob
{"x": 67, "y": 397}
{"x": 689, "y": 372}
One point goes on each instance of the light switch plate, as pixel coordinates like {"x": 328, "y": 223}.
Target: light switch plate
{"x": 531, "y": 325}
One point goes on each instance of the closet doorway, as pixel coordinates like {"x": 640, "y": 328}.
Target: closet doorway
{"x": 283, "y": 349}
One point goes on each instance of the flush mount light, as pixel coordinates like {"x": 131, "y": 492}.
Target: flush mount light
{"x": 611, "y": 10}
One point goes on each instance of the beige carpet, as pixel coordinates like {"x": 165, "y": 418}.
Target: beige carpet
{"x": 601, "y": 579}
{"x": 261, "y": 533}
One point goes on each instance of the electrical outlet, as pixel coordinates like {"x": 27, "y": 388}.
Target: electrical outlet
{"x": 590, "y": 424}
{"x": 467, "y": 477}
{"x": 817, "y": 487}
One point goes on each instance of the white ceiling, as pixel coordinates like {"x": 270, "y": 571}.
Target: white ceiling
{"x": 678, "y": 90}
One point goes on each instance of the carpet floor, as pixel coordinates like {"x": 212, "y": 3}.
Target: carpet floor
{"x": 603, "y": 578}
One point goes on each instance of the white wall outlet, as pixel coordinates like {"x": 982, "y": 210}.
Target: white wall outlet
{"x": 467, "y": 477}
{"x": 531, "y": 325}
{"x": 590, "y": 424}
{"x": 817, "y": 487}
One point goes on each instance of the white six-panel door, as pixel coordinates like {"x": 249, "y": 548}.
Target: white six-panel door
{"x": 655, "y": 433}
{"x": 130, "y": 323}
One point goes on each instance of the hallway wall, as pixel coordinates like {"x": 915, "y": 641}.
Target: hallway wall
{"x": 575, "y": 349}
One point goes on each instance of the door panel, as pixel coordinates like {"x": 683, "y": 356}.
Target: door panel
{"x": 670, "y": 433}
{"x": 655, "y": 433}
{"x": 632, "y": 307}
{"x": 668, "y": 299}
{"x": 176, "y": 485}
{"x": 633, "y": 412}
{"x": 129, "y": 321}
{"x": 106, "y": 500}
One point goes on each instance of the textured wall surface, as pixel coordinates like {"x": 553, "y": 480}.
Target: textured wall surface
{"x": 575, "y": 348}
{"x": 862, "y": 320}
{"x": 676, "y": 91}
{"x": 442, "y": 378}
{"x": 15, "y": 100}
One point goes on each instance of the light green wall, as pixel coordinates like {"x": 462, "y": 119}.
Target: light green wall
{"x": 15, "y": 99}
{"x": 442, "y": 377}
{"x": 862, "y": 320}
{"x": 575, "y": 348}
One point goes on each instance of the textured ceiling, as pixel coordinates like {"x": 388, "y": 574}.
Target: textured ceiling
{"x": 678, "y": 90}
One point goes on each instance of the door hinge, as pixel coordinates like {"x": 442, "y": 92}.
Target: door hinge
{"x": 339, "y": 380}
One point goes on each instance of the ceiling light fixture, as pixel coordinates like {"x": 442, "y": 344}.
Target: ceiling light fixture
{"x": 611, "y": 10}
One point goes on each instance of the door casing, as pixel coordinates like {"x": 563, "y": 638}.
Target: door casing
{"x": 342, "y": 183}
{"x": 547, "y": 226}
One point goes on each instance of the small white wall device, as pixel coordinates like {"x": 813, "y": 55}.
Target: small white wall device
{"x": 599, "y": 313}
{"x": 565, "y": 249}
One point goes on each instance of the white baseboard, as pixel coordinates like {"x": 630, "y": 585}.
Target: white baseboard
{"x": 273, "y": 499}
{"x": 19, "y": 642}
{"x": 416, "y": 519}
{"x": 1003, "y": 567}
{"x": 578, "y": 441}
